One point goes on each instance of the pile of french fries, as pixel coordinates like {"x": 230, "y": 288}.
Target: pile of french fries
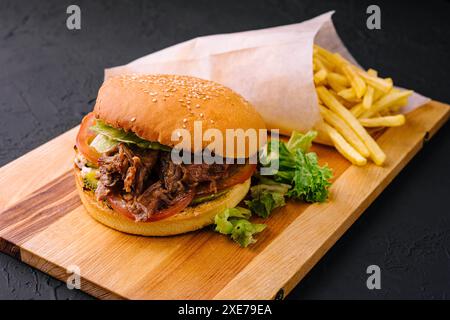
{"x": 351, "y": 100}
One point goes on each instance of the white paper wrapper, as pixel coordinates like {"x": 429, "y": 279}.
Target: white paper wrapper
{"x": 271, "y": 68}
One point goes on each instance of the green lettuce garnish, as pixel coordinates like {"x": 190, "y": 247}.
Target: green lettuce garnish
{"x": 119, "y": 135}
{"x": 243, "y": 231}
{"x": 298, "y": 167}
{"x": 221, "y": 219}
{"x": 310, "y": 181}
{"x": 102, "y": 143}
{"x": 266, "y": 197}
{"x": 234, "y": 222}
{"x": 300, "y": 141}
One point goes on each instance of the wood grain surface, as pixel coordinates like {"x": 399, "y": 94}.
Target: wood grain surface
{"x": 43, "y": 223}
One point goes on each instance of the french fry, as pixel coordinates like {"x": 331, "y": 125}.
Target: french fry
{"x": 334, "y": 59}
{"x": 377, "y": 94}
{"x": 372, "y": 72}
{"x": 385, "y": 102}
{"x": 348, "y": 94}
{"x": 342, "y": 127}
{"x": 335, "y": 86}
{"x": 337, "y": 82}
{"x": 344, "y": 147}
{"x": 320, "y": 77}
{"x": 376, "y": 154}
{"x": 344, "y": 102}
{"x": 387, "y": 121}
{"x": 338, "y": 78}
{"x": 356, "y": 81}
{"x": 320, "y": 64}
{"x": 339, "y": 60}
{"x": 329, "y": 66}
{"x": 378, "y": 83}
{"x": 315, "y": 66}
{"x": 403, "y": 101}
{"x": 357, "y": 110}
{"x": 371, "y": 94}
{"x": 399, "y": 104}
{"x": 368, "y": 98}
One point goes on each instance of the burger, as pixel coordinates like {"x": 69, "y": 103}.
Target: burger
{"x": 124, "y": 168}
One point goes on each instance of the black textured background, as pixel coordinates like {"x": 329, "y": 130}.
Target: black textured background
{"x": 49, "y": 77}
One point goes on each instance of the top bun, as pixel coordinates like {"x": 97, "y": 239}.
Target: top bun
{"x": 154, "y": 106}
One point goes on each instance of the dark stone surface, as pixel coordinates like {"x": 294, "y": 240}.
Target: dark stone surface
{"x": 49, "y": 77}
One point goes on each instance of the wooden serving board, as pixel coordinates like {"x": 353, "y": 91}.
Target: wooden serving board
{"x": 43, "y": 223}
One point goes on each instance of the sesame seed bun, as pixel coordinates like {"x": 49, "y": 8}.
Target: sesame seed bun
{"x": 153, "y": 106}
{"x": 190, "y": 219}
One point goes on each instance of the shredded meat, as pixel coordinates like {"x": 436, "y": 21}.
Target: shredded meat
{"x": 149, "y": 181}
{"x": 124, "y": 169}
{"x": 201, "y": 173}
{"x": 173, "y": 175}
{"x": 153, "y": 199}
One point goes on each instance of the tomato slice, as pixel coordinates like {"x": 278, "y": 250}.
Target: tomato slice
{"x": 242, "y": 174}
{"x": 181, "y": 202}
{"x": 85, "y": 137}
{"x": 119, "y": 205}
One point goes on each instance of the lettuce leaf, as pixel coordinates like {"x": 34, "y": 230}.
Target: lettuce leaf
{"x": 299, "y": 141}
{"x": 221, "y": 219}
{"x": 298, "y": 167}
{"x": 267, "y": 197}
{"x": 234, "y": 222}
{"x": 103, "y": 144}
{"x": 311, "y": 182}
{"x": 243, "y": 231}
{"x": 119, "y": 135}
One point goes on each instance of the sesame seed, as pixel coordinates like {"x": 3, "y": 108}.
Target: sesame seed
{"x": 201, "y": 115}
{"x": 133, "y": 119}
{"x": 184, "y": 120}
{"x": 154, "y": 100}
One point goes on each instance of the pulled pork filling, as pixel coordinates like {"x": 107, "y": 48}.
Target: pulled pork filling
{"x": 147, "y": 181}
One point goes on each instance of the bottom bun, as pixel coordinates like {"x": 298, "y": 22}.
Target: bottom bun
{"x": 190, "y": 219}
